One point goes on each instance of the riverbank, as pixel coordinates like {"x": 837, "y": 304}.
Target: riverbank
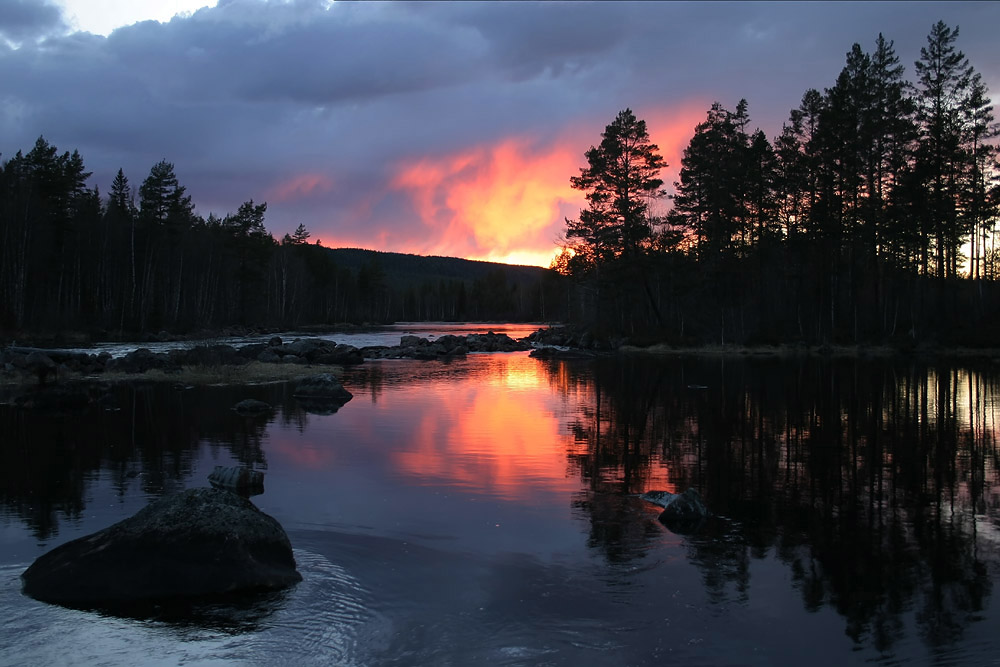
{"x": 271, "y": 361}
{"x": 570, "y": 342}
{"x": 837, "y": 351}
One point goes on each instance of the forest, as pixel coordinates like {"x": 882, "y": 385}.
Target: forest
{"x": 871, "y": 218}
{"x": 141, "y": 260}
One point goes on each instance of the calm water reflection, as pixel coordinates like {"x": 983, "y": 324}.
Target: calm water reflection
{"x": 484, "y": 509}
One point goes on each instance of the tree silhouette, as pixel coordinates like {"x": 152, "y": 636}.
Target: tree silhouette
{"x": 621, "y": 179}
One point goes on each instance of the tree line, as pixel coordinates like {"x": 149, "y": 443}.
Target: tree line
{"x": 870, "y": 217}
{"x": 142, "y": 260}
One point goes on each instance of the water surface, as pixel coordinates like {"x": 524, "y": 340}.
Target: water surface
{"x": 482, "y": 511}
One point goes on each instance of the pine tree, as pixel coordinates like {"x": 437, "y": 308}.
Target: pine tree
{"x": 944, "y": 82}
{"x": 300, "y": 236}
{"x": 716, "y": 197}
{"x": 163, "y": 200}
{"x": 621, "y": 179}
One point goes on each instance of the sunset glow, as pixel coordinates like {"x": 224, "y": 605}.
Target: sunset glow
{"x": 502, "y": 202}
{"x": 507, "y": 202}
{"x": 671, "y": 129}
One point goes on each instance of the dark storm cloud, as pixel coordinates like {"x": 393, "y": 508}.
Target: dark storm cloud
{"x": 28, "y": 19}
{"x": 316, "y": 107}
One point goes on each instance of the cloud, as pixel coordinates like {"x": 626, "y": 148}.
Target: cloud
{"x": 492, "y": 201}
{"x": 424, "y": 127}
{"x": 300, "y": 186}
{"x": 22, "y": 20}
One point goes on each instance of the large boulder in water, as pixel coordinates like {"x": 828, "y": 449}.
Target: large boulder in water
{"x": 202, "y": 542}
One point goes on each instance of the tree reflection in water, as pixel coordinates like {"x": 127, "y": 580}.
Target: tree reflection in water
{"x": 872, "y": 481}
{"x": 148, "y": 438}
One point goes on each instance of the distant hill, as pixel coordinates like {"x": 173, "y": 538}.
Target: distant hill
{"x": 404, "y": 270}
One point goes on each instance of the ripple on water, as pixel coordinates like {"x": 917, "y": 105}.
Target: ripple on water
{"x": 322, "y": 620}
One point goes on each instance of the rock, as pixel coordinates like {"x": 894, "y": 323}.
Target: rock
{"x": 139, "y": 361}
{"x": 251, "y": 351}
{"x": 238, "y": 479}
{"x": 322, "y": 394}
{"x": 323, "y": 385}
{"x": 682, "y": 512}
{"x": 559, "y": 336}
{"x": 341, "y": 355}
{"x": 250, "y": 406}
{"x": 275, "y": 341}
{"x": 207, "y": 355}
{"x": 202, "y": 542}
{"x": 301, "y": 348}
{"x": 377, "y": 351}
{"x": 494, "y": 342}
{"x": 41, "y": 365}
{"x": 268, "y": 357}
{"x": 412, "y": 341}
{"x": 452, "y": 345}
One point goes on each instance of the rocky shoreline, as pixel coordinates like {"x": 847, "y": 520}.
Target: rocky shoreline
{"x": 280, "y": 360}
{"x": 29, "y": 365}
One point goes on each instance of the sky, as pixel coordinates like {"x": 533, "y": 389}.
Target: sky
{"x": 429, "y": 128}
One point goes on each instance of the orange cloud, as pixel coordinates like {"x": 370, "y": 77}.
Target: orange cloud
{"x": 671, "y": 130}
{"x": 503, "y": 202}
{"x": 300, "y": 186}
{"x": 507, "y": 201}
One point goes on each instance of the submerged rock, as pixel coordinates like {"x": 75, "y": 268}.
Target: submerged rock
{"x": 202, "y": 542}
{"x": 682, "y": 512}
{"x": 251, "y": 407}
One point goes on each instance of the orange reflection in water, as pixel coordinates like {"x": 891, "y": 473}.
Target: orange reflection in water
{"x": 500, "y": 435}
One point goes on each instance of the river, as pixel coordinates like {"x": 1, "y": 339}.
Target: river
{"x": 482, "y": 511}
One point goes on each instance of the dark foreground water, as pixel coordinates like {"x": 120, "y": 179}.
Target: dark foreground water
{"x": 481, "y": 512}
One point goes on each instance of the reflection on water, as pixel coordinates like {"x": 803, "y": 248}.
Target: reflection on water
{"x": 484, "y": 508}
{"x": 877, "y": 486}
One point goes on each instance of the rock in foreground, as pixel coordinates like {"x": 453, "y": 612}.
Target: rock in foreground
{"x": 202, "y": 542}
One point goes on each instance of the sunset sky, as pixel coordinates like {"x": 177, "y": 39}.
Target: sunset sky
{"x": 430, "y": 128}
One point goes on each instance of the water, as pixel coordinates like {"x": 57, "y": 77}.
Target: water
{"x": 481, "y": 511}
